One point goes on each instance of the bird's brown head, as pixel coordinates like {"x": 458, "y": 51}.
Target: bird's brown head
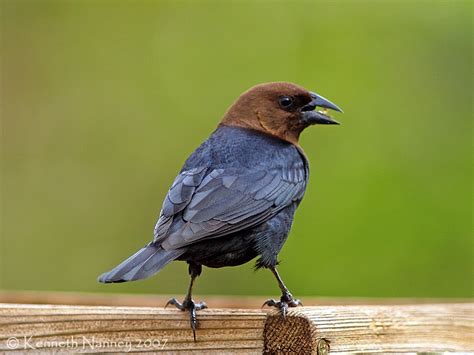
{"x": 280, "y": 109}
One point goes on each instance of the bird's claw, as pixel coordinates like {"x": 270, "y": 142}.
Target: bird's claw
{"x": 189, "y": 305}
{"x": 192, "y": 315}
{"x": 286, "y": 301}
{"x": 175, "y": 303}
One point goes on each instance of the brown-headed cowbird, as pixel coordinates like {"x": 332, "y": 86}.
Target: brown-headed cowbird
{"x": 236, "y": 195}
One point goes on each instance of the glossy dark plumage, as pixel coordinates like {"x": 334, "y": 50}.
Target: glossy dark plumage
{"x": 233, "y": 200}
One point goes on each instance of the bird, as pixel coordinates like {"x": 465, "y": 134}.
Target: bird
{"x": 236, "y": 195}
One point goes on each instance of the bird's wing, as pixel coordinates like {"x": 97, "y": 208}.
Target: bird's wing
{"x": 204, "y": 204}
{"x": 178, "y": 197}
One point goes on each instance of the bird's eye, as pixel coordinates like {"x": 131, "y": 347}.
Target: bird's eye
{"x": 285, "y": 101}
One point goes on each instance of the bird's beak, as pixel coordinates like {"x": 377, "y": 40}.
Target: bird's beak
{"x": 311, "y": 116}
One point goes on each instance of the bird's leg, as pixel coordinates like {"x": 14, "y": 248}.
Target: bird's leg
{"x": 188, "y": 302}
{"x": 286, "y": 299}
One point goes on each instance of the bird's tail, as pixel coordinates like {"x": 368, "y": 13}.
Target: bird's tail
{"x": 144, "y": 263}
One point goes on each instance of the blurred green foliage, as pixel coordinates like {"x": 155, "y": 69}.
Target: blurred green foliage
{"x": 103, "y": 101}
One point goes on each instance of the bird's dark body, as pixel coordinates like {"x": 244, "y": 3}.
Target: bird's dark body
{"x": 239, "y": 248}
{"x": 233, "y": 200}
{"x": 246, "y": 150}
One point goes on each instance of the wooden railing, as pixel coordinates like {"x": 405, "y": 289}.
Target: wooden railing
{"x": 394, "y": 327}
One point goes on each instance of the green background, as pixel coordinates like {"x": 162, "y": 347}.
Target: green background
{"x": 102, "y": 101}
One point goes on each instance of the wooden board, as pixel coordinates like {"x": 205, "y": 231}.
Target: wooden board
{"x": 405, "y": 328}
{"x": 345, "y": 328}
{"x": 124, "y": 329}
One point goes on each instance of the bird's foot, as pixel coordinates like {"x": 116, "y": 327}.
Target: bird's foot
{"x": 286, "y": 300}
{"x": 189, "y": 305}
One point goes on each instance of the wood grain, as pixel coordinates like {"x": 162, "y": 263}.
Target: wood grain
{"x": 92, "y": 329}
{"x": 343, "y": 328}
{"x": 404, "y": 328}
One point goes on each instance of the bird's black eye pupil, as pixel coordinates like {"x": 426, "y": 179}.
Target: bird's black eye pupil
{"x": 286, "y": 101}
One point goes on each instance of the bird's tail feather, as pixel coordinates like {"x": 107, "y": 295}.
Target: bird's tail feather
{"x": 144, "y": 263}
